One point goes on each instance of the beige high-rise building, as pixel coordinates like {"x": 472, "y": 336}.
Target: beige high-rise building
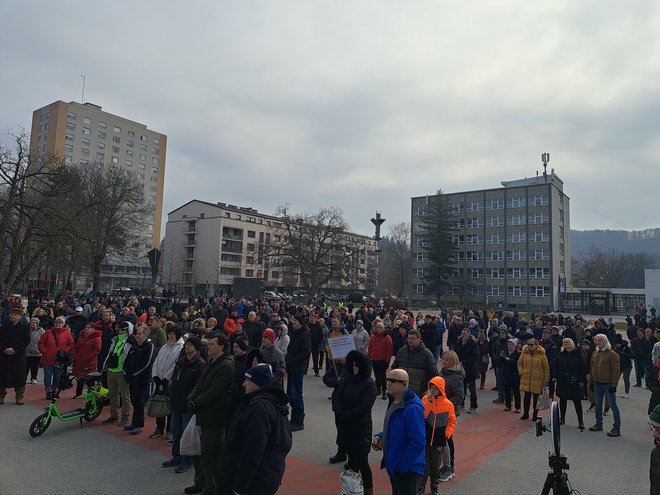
{"x": 86, "y": 135}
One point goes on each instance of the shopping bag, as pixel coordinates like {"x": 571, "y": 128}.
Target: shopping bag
{"x": 351, "y": 483}
{"x": 191, "y": 440}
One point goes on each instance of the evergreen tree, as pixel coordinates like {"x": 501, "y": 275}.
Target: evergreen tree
{"x": 436, "y": 233}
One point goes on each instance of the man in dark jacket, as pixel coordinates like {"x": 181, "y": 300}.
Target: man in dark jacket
{"x": 258, "y": 439}
{"x": 137, "y": 373}
{"x": 297, "y": 362}
{"x": 187, "y": 371}
{"x": 14, "y": 339}
{"x": 254, "y": 328}
{"x": 429, "y": 332}
{"x": 76, "y": 322}
{"x": 418, "y": 361}
{"x": 316, "y": 335}
{"x": 210, "y": 400}
{"x": 468, "y": 354}
{"x": 654, "y": 474}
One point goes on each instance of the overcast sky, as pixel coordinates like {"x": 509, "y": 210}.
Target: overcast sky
{"x": 365, "y": 104}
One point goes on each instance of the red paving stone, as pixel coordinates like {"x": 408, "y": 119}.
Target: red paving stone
{"x": 476, "y": 438}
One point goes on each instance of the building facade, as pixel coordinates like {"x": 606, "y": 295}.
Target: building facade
{"x": 513, "y": 246}
{"x": 83, "y": 134}
{"x": 207, "y": 245}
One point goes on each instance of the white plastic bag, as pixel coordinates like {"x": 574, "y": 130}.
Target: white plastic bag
{"x": 191, "y": 440}
{"x": 351, "y": 483}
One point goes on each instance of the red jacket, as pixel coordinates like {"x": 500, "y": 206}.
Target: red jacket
{"x": 48, "y": 347}
{"x": 229, "y": 326}
{"x": 86, "y": 352}
{"x": 380, "y": 347}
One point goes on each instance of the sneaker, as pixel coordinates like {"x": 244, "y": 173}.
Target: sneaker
{"x": 49, "y": 395}
{"x": 524, "y": 416}
{"x": 637, "y": 386}
{"x": 446, "y": 473}
{"x": 173, "y": 462}
{"x": 183, "y": 468}
{"x": 498, "y": 401}
{"x": 33, "y": 381}
{"x": 596, "y": 427}
{"x": 591, "y": 408}
{"x": 472, "y": 410}
{"x": 109, "y": 420}
{"x": 614, "y": 432}
{"x": 507, "y": 409}
{"x": 493, "y": 389}
{"x": 517, "y": 411}
{"x": 135, "y": 430}
{"x": 126, "y": 425}
{"x": 156, "y": 434}
{"x": 625, "y": 396}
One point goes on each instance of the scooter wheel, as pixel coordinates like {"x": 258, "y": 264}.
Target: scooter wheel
{"x": 39, "y": 425}
{"x": 92, "y": 417}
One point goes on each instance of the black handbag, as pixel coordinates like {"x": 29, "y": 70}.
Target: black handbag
{"x": 61, "y": 357}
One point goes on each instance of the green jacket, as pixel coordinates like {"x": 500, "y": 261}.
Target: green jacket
{"x": 212, "y": 394}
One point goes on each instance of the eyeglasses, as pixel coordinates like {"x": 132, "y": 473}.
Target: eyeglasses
{"x": 531, "y": 345}
{"x": 654, "y": 429}
{"x": 394, "y": 380}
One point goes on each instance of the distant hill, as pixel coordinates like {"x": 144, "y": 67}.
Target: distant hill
{"x": 635, "y": 241}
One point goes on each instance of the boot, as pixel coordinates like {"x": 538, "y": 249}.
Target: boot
{"x": 340, "y": 456}
{"x": 299, "y": 423}
{"x": 535, "y": 415}
{"x": 20, "y": 392}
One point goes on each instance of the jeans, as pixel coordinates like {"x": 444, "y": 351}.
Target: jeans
{"x": 178, "y": 425}
{"x": 51, "y": 377}
{"x": 642, "y": 369}
{"x": 602, "y": 390}
{"x": 294, "y": 389}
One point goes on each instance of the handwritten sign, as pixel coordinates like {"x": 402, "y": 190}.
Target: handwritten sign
{"x": 341, "y": 346}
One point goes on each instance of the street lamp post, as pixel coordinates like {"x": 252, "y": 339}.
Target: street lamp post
{"x": 378, "y": 221}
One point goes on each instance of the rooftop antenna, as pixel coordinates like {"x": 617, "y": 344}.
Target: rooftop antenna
{"x": 82, "y": 99}
{"x": 545, "y": 158}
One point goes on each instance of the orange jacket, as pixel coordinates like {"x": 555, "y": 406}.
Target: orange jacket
{"x": 439, "y": 412}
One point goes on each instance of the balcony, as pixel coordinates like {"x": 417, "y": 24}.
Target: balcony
{"x": 232, "y": 237}
{"x": 236, "y": 264}
{"x": 189, "y": 242}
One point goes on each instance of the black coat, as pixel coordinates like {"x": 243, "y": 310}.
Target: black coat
{"x": 570, "y": 372}
{"x": 254, "y": 330}
{"x": 352, "y": 401}
{"x": 510, "y": 374}
{"x": 185, "y": 376}
{"x": 212, "y": 394}
{"x": 137, "y": 367}
{"x": 12, "y": 368}
{"x": 299, "y": 350}
{"x": 468, "y": 354}
{"x": 625, "y": 355}
{"x": 257, "y": 443}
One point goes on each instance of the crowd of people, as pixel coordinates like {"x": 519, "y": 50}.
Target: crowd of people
{"x": 238, "y": 367}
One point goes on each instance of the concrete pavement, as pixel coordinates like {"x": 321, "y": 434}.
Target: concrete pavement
{"x": 496, "y": 452}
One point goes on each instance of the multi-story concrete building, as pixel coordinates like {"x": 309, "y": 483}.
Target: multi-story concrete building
{"x": 207, "y": 245}
{"x": 513, "y": 246}
{"x": 83, "y": 134}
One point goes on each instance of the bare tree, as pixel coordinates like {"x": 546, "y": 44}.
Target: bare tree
{"x": 605, "y": 268}
{"x": 31, "y": 187}
{"x": 395, "y": 260}
{"x": 110, "y": 210}
{"x": 318, "y": 247}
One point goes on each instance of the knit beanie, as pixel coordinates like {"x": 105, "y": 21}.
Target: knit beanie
{"x": 655, "y": 414}
{"x": 261, "y": 375}
{"x": 194, "y": 340}
{"x": 269, "y": 333}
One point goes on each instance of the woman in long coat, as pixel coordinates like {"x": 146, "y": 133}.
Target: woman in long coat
{"x": 534, "y": 375}
{"x": 570, "y": 373}
{"x": 352, "y": 401}
{"x": 86, "y": 354}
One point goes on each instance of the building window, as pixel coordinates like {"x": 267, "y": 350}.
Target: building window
{"x": 100, "y": 135}
{"x": 115, "y": 159}
{"x": 474, "y": 256}
{"x": 68, "y": 148}
{"x": 516, "y": 202}
{"x": 539, "y": 273}
{"x": 494, "y": 221}
{"x": 100, "y": 157}
{"x": 84, "y": 162}
{"x": 496, "y": 238}
{"x": 473, "y": 223}
{"x": 141, "y": 166}
{"x": 538, "y": 291}
{"x": 116, "y": 139}
{"x": 71, "y": 116}
{"x": 540, "y": 200}
{"x": 418, "y": 289}
{"x": 517, "y": 290}
{"x": 495, "y": 204}
{"x": 517, "y": 237}
{"x": 143, "y": 138}
{"x": 129, "y": 153}
{"x": 539, "y": 254}
{"x": 476, "y": 273}
{"x": 561, "y": 232}
{"x": 494, "y": 272}
{"x": 252, "y": 234}
{"x": 458, "y": 223}
{"x": 561, "y": 250}
{"x": 143, "y": 156}
{"x": 539, "y": 236}
{"x": 130, "y": 144}
{"x": 143, "y": 147}
{"x": 87, "y": 120}
{"x": 459, "y": 240}
{"x": 155, "y": 151}
{"x": 456, "y": 207}
{"x": 84, "y": 151}
{"x": 85, "y": 141}
{"x": 475, "y": 206}
{"x": 100, "y": 146}
{"x": 495, "y": 256}
{"x": 115, "y": 149}
{"x": 494, "y": 290}
{"x": 116, "y": 129}
{"x": 156, "y": 141}
{"x": 68, "y": 137}
{"x": 86, "y": 131}
{"x": 154, "y": 160}
{"x": 515, "y": 272}
{"x": 103, "y": 125}
{"x": 517, "y": 220}
{"x": 250, "y": 247}
{"x": 129, "y": 163}
{"x": 473, "y": 239}
{"x": 67, "y": 159}
{"x": 154, "y": 178}
{"x": 515, "y": 255}
{"x": 70, "y": 126}
{"x": 249, "y": 273}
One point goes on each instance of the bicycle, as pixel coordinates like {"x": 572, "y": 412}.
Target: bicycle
{"x": 93, "y": 397}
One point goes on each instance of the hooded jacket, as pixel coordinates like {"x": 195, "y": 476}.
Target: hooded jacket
{"x": 404, "y": 448}
{"x": 257, "y": 443}
{"x": 455, "y": 392}
{"x": 439, "y": 414}
{"x": 86, "y": 352}
{"x": 166, "y": 360}
{"x": 380, "y": 347}
{"x": 534, "y": 370}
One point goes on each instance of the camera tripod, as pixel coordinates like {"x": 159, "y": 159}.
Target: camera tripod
{"x": 557, "y": 480}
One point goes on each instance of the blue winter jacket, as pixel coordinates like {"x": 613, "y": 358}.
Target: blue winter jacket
{"x": 405, "y": 442}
